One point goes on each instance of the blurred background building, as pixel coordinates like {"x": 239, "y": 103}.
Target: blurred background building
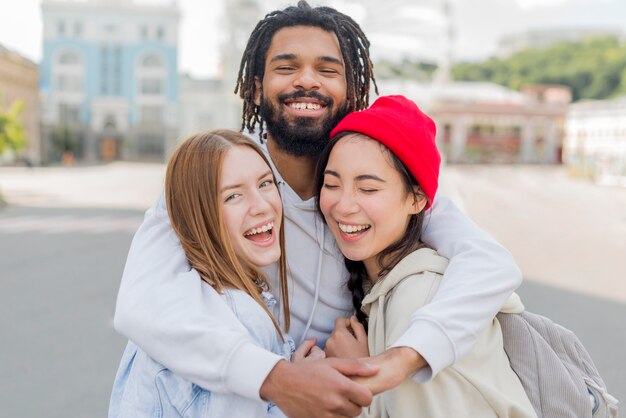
{"x": 109, "y": 79}
{"x": 110, "y": 85}
{"x": 595, "y": 140}
{"x": 201, "y": 104}
{"x": 486, "y": 123}
{"x": 19, "y": 83}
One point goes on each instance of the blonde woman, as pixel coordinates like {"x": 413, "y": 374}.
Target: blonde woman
{"x": 229, "y": 223}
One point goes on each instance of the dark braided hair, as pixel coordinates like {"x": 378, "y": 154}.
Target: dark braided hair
{"x": 353, "y": 43}
{"x": 390, "y": 256}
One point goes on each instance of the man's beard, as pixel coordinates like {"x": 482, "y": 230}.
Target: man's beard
{"x": 303, "y": 136}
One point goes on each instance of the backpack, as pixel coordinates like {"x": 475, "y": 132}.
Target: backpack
{"x": 556, "y": 371}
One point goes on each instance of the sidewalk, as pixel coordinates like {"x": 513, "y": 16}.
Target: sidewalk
{"x": 562, "y": 231}
{"x": 116, "y": 185}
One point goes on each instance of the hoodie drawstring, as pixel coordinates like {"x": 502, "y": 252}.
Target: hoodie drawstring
{"x": 317, "y": 287}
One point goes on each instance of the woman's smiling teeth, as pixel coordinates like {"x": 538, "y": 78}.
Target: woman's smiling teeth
{"x": 305, "y": 106}
{"x": 255, "y": 231}
{"x": 351, "y": 229}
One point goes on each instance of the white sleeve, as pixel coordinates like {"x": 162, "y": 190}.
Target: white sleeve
{"x": 481, "y": 275}
{"x": 165, "y": 309}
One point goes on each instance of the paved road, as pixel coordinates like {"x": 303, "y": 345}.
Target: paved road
{"x": 59, "y": 283}
{"x": 59, "y": 280}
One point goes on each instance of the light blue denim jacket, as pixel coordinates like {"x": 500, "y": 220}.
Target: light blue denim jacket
{"x": 144, "y": 388}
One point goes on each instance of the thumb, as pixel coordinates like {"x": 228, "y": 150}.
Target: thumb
{"x": 355, "y": 367}
{"x": 358, "y": 329}
{"x": 304, "y": 348}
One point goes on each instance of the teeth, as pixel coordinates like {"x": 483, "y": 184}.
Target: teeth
{"x": 263, "y": 228}
{"x": 352, "y": 228}
{"x": 305, "y": 106}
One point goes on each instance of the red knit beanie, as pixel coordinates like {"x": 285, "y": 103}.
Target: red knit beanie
{"x": 409, "y": 133}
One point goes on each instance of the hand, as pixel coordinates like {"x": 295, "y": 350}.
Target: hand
{"x": 396, "y": 364}
{"x": 349, "y": 339}
{"x": 318, "y": 388}
{"x": 308, "y": 351}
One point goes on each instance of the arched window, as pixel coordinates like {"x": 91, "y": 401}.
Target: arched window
{"x": 69, "y": 58}
{"x": 151, "y": 61}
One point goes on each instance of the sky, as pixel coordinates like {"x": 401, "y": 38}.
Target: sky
{"x": 479, "y": 24}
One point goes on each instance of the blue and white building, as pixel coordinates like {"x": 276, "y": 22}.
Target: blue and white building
{"x": 109, "y": 78}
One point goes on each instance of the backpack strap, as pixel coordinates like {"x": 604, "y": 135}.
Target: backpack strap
{"x": 554, "y": 368}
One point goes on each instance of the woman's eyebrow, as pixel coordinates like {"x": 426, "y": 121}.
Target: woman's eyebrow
{"x": 360, "y": 177}
{"x": 332, "y": 173}
{"x": 235, "y": 186}
{"x": 369, "y": 177}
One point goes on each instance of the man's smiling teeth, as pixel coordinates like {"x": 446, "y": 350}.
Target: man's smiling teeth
{"x": 348, "y": 229}
{"x": 258, "y": 230}
{"x": 305, "y": 106}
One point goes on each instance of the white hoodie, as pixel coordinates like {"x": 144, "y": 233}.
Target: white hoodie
{"x": 162, "y": 309}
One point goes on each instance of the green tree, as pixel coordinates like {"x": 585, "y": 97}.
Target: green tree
{"x": 594, "y": 68}
{"x": 12, "y": 133}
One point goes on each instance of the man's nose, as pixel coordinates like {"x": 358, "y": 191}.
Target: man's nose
{"x": 307, "y": 79}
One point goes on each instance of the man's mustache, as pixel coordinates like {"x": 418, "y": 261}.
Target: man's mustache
{"x": 300, "y": 94}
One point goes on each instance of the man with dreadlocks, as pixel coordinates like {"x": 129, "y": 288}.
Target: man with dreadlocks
{"x": 303, "y": 69}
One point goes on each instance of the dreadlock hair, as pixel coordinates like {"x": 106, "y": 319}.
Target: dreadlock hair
{"x": 353, "y": 44}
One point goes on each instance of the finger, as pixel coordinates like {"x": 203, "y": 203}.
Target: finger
{"x": 316, "y": 353}
{"x": 354, "y": 367}
{"x": 359, "y": 396}
{"x": 342, "y": 323}
{"x": 304, "y": 349}
{"x": 351, "y": 409}
{"x": 358, "y": 329}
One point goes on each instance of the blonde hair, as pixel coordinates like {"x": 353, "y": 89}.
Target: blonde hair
{"x": 194, "y": 207}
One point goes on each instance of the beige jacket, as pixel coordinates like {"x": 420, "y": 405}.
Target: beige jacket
{"x": 480, "y": 384}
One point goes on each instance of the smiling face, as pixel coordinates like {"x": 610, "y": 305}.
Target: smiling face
{"x": 251, "y": 206}
{"x": 303, "y": 92}
{"x": 365, "y": 201}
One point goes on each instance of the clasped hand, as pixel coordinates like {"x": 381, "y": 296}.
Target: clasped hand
{"x": 349, "y": 340}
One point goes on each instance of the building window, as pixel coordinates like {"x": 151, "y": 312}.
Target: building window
{"x": 150, "y": 145}
{"x": 117, "y": 70}
{"x": 151, "y": 115}
{"x": 104, "y": 70}
{"x": 69, "y": 114}
{"x": 69, "y": 58}
{"x": 78, "y": 29}
{"x": 160, "y": 33}
{"x": 151, "y": 86}
{"x": 151, "y": 61}
{"x": 144, "y": 33}
{"x": 69, "y": 83}
{"x": 61, "y": 28}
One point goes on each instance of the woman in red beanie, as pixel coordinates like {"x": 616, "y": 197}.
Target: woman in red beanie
{"x": 375, "y": 181}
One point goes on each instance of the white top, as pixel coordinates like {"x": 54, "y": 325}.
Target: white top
{"x": 161, "y": 308}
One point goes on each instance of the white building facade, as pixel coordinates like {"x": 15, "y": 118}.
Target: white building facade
{"x": 595, "y": 140}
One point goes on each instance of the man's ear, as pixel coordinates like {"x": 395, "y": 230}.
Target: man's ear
{"x": 419, "y": 201}
{"x": 258, "y": 91}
